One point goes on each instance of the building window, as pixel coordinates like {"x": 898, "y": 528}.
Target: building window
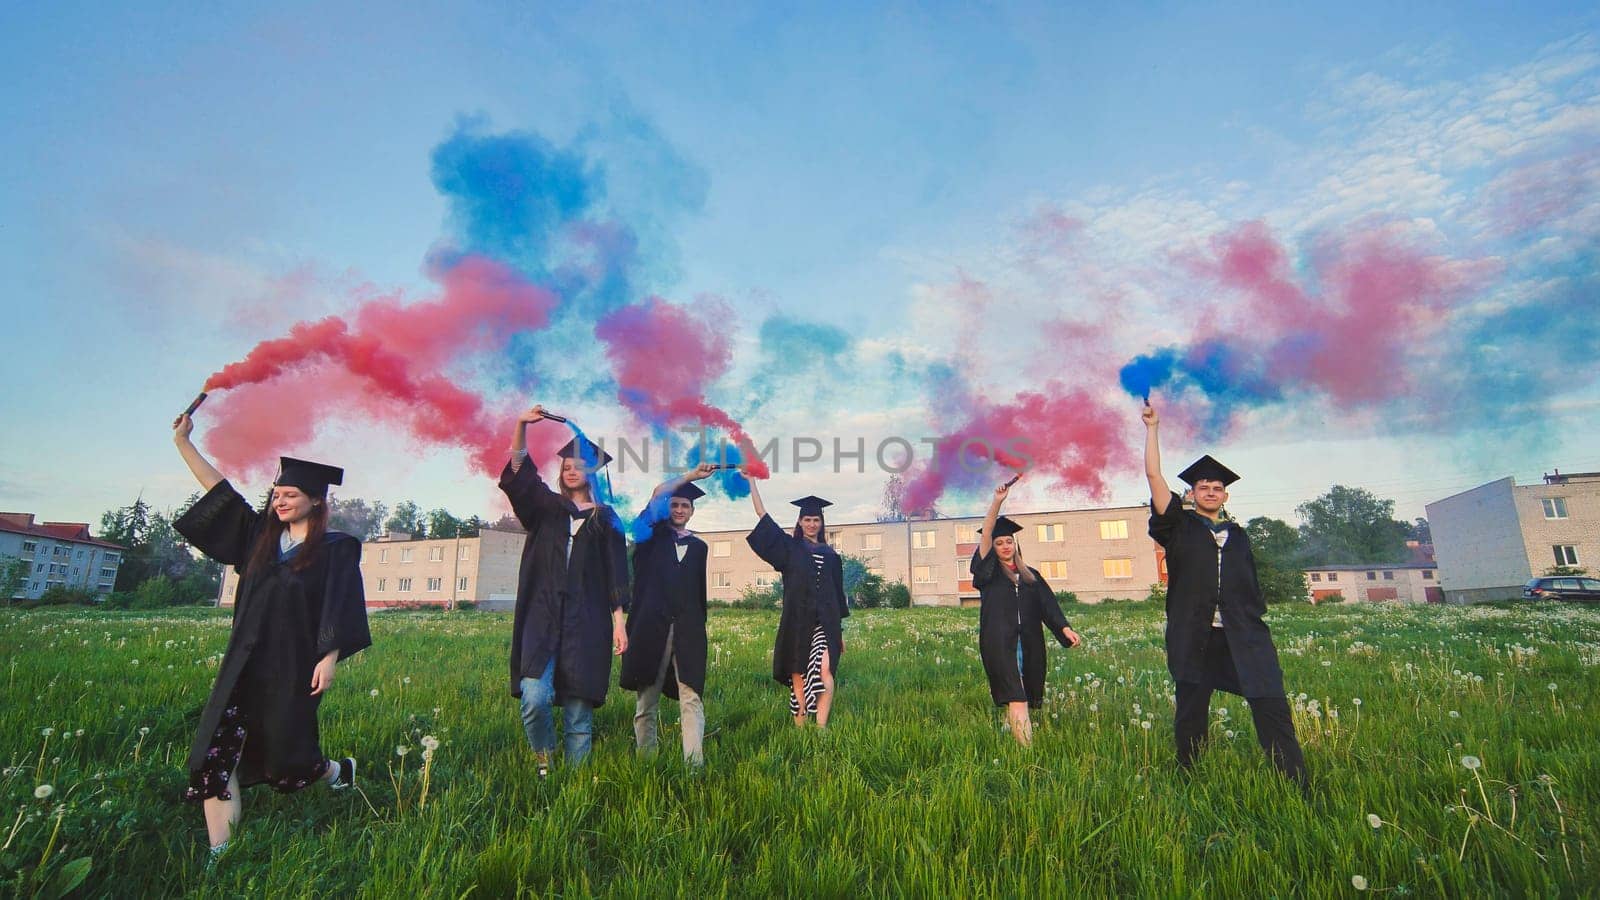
{"x": 1117, "y": 568}
{"x": 29, "y": 546}
{"x": 1053, "y": 568}
{"x": 461, "y": 584}
{"x": 404, "y": 586}
{"x": 1566, "y": 554}
{"x": 922, "y": 540}
{"x": 1555, "y": 507}
{"x": 1333, "y": 576}
{"x": 922, "y": 574}
{"x": 436, "y": 554}
{"x": 966, "y": 534}
{"x": 80, "y": 555}
{"x": 1316, "y": 576}
{"x": 108, "y": 573}
{"x": 873, "y": 541}
{"x": 832, "y": 538}
{"x": 1427, "y": 574}
{"x": 1372, "y": 576}
{"x": 721, "y": 580}
{"x": 383, "y": 584}
{"x": 383, "y": 556}
{"x": 763, "y": 581}
{"x": 1114, "y": 530}
{"x": 111, "y": 557}
{"x": 463, "y": 557}
{"x": 435, "y": 585}
{"x": 405, "y": 555}
{"x": 1388, "y": 576}
{"x": 721, "y": 548}
{"x": 1053, "y": 533}
{"x": 38, "y": 567}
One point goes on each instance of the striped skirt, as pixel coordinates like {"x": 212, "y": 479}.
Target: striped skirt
{"x": 813, "y": 685}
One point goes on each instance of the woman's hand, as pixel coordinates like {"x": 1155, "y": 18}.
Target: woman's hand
{"x": 619, "y": 639}
{"x": 1073, "y": 638}
{"x": 531, "y": 415}
{"x": 182, "y": 427}
{"x": 322, "y": 675}
{"x": 1149, "y": 416}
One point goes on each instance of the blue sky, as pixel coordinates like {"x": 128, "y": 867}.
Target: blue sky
{"x": 180, "y": 185}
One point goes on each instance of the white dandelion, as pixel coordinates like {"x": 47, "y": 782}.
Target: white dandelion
{"x": 1471, "y": 762}
{"x": 43, "y": 791}
{"x": 1374, "y": 821}
{"x": 1358, "y": 882}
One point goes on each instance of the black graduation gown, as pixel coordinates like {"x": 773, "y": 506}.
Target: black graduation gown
{"x": 807, "y": 600}
{"x": 284, "y": 622}
{"x": 564, "y": 608}
{"x": 1193, "y": 592}
{"x": 1009, "y": 612}
{"x": 667, "y": 594}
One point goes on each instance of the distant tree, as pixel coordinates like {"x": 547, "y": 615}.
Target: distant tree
{"x": 13, "y": 576}
{"x": 356, "y": 517}
{"x": 1277, "y": 548}
{"x": 894, "y": 492}
{"x": 1420, "y": 532}
{"x": 151, "y": 546}
{"x": 1569, "y": 571}
{"x": 155, "y": 593}
{"x": 406, "y": 517}
{"x": 863, "y": 588}
{"x": 443, "y": 525}
{"x": 508, "y": 522}
{"x": 896, "y": 595}
{"x": 471, "y": 525}
{"x": 1350, "y": 525}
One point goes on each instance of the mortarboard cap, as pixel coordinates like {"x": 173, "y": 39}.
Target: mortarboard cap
{"x": 811, "y": 506}
{"x": 689, "y": 492}
{"x": 311, "y": 477}
{"x": 592, "y": 451}
{"x": 1004, "y": 527}
{"x": 1207, "y": 469}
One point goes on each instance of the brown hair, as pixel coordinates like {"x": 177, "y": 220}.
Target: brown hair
{"x": 265, "y": 551}
{"x": 1024, "y": 574}
{"x": 822, "y": 529}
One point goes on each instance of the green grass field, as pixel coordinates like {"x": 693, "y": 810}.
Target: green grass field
{"x": 913, "y": 790}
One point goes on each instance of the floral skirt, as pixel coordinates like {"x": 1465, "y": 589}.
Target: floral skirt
{"x": 215, "y": 777}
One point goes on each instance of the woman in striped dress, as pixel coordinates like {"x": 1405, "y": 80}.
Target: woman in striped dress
{"x": 810, "y": 638}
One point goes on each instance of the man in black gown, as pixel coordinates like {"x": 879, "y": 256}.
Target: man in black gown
{"x": 1216, "y": 639}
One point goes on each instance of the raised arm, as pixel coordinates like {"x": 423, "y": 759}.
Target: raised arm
{"x": 204, "y": 471}
{"x": 755, "y": 493}
{"x": 519, "y": 435}
{"x": 671, "y": 485}
{"x": 528, "y": 493}
{"x": 1160, "y": 492}
{"x": 986, "y": 537}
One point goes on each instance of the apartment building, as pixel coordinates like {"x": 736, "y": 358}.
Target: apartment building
{"x": 1098, "y": 554}
{"x": 58, "y": 554}
{"x": 1491, "y": 539}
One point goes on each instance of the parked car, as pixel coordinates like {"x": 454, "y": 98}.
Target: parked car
{"x": 1562, "y": 587}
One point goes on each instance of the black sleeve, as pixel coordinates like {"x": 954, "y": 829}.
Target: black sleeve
{"x": 529, "y": 495}
{"x": 343, "y": 626}
{"x": 984, "y": 569}
{"x": 771, "y": 543}
{"x": 837, "y": 564}
{"x": 1050, "y": 610}
{"x": 617, "y": 558}
{"x": 1162, "y": 525}
{"x": 221, "y": 525}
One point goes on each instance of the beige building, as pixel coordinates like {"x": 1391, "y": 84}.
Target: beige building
{"x": 1492, "y": 539}
{"x": 1404, "y": 583}
{"x": 1098, "y": 554}
{"x": 398, "y": 571}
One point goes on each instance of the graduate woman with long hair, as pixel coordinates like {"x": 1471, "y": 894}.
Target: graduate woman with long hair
{"x": 572, "y": 591}
{"x": 300, "y": 609}
{"x": 1017, "y": 605}
{"x": 810, "y": 638}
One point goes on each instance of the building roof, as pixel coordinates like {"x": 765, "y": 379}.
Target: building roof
{"x": 72, "y": 532}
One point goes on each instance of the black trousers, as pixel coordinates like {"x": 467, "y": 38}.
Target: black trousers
{"x": 1273, "y": 721}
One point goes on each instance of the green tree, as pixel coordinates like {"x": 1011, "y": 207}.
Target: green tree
{"x": 1420, "y": 532}
{"x": 443, "y": 525}
{"x": 406, "y": 517}
{"x": 1278, "y": 549}
{"x": 356, "y": 517}
{"x": 1350, "y": 526}
{"x": 896, "y": 595}
{"x": 471, "y": 525}
{"x": 13, "y": 576}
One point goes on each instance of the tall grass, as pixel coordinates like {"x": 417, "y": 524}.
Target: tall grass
{"x": 914, "y": 789}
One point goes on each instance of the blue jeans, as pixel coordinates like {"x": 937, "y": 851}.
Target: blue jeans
{"x": 538, "y": 696}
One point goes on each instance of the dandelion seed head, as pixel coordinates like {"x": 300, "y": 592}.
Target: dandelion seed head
{"x": 43, "y": 791}
{"x": 1374, "y": 821}
{"x": 1358, "y": 882}
{"x": 46, "y": 732}
{"x": 1471, "y": 762}
{"x": 373, "y": 692}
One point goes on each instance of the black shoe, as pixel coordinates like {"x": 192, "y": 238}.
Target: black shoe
{"x": 347, "y": 775}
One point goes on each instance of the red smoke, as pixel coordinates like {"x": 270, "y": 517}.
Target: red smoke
{"x": 663, "y": 356}
{"x": 1068, "y": 434}
{"x": 388, "y": 366}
